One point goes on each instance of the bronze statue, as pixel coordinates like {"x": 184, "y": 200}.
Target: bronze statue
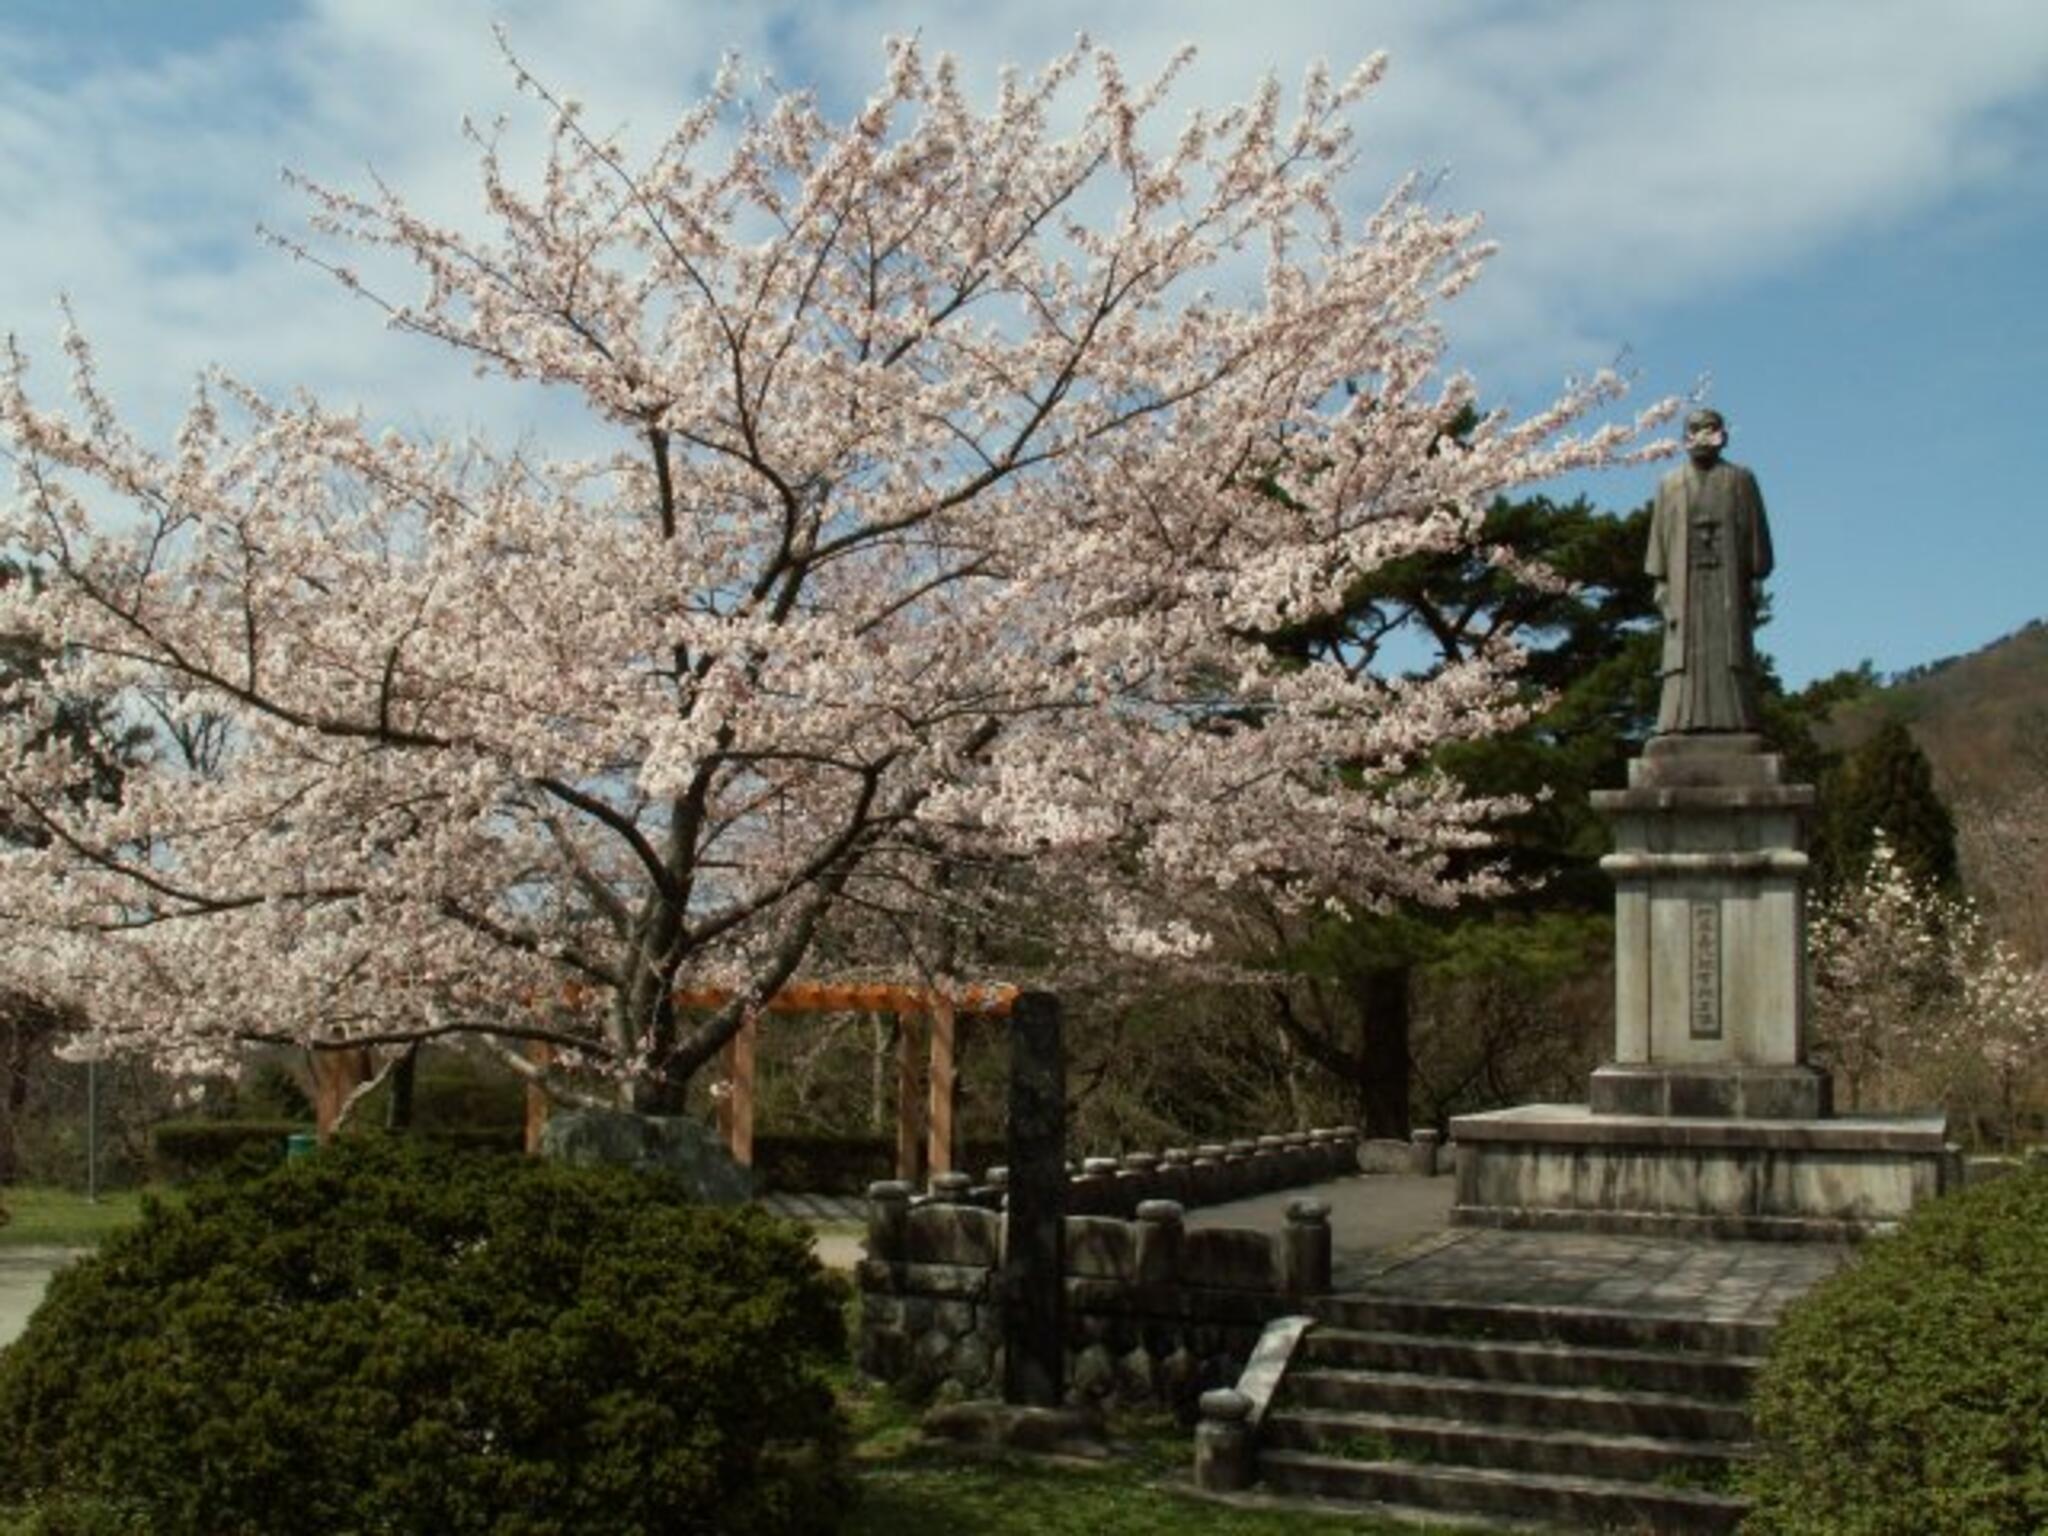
{"x": 1710, "y": 550}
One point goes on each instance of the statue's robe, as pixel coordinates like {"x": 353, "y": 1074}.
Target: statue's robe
{"x": 1710, "y": 546}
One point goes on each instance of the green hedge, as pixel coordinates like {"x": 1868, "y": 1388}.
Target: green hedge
{"x": 1909, "y": 1393}
{"x": 184, "y": 1149}
{"x": 390, "y": 1336}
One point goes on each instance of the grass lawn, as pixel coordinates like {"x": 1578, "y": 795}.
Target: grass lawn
{"x": 911, "y": 1487}
{"x": 62, "y": 1218}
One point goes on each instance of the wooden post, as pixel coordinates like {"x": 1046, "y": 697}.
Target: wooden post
{"x": 945, "y": 1087}
{"x": 337, "y": 1072}
{"x": 1034, "y": 1292}
{"x": 907, "y": 1138}
{"x": 540, "y": 1053}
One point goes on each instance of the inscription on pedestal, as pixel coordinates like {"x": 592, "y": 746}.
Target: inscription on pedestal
{"x": 1706, "y": 970}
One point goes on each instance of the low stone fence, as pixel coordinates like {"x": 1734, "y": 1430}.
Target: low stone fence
{"x": 1156, "y": 1312}
{"x": 1191, "y": 1177}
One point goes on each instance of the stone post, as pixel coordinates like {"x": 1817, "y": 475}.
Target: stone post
{"x": 1332, "y": 1152}
{"x": 1270, "y": 1157}
{"x": 1300, "y": 1158}
{"x": 1137, "y": 1181}
{"x": 1223, "y": 1442}
{"x": 951, "y": 1188}
{"x": 1034, "y": 1256}
{"x": 1161, "y": 1227}
{"x": 1305, "y": 1249}
{"x": 889, "y": 1221}
{"x": 1176, "y": 1182}
{"x": 1209, "y": 1184}
{"x": 1422, "y": 1152}
{"x": 1241, "y": 1174}
{"x": 1092, "y": 1193}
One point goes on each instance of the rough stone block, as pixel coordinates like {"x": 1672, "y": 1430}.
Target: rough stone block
{"x": 954, "y": 1234}
{"x": 886, "y": 1353}
{"x": 673, "y": 1144}
{"x": 1383, "y": 1154}
{"x": 1229, "y": 1258}
{"x": 1102, "y": 1248}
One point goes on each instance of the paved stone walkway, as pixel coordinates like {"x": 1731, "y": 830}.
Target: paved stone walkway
{"x": 1648, "y": 1276}
{"x": 817, "y": 1210}
{"x": 1391, "y": 1233}
{"x": 24, "y": 1276}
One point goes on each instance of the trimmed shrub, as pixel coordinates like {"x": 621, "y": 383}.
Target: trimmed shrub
{"x": 186, "y": 1149}
{"x": 389, "y": 1336}
{"x": 1909, "y": 1393}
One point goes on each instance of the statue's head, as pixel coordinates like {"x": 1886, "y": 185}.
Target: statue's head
{"x": 1706, "y": 434}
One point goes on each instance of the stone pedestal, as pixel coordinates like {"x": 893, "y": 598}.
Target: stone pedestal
{"x": 1709, "y": 869}
{"x": 1709, "y": 1119}
{"x": 1565, "y": 1166}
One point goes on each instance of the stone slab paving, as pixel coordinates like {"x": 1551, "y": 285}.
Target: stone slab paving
{"x": 1391, "y": 1233}
{"x": 817, "y": 1209}
{"x": 1654, "y": 1276}
{"x": 1373, "y": 1217}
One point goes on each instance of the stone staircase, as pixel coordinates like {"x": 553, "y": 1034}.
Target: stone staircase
{"x": 1563, "y": 1416}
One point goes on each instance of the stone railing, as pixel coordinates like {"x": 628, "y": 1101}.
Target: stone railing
{"x": 1156, "y": 1312}
{"x": 1213, "y": 1174}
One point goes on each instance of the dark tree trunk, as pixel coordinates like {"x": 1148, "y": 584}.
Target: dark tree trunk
{"x": 1383, "y": 1083}
{"x": 1034, "y": 1259}
{"x": 398, "y": 1108}
{"x": 14, "y": 1063}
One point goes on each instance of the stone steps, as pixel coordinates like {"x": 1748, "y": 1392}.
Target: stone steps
{"x": 1708, "y": 1465}
{"x": 1585, "y": 1327}
{"x": 1573, "y": 1416}
{"x": 1538, "y": 1362}
{"x": 1597, "y": 1410}
{"x": 1580, "y": 1502}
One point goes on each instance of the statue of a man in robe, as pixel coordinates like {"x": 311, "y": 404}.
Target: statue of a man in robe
{"x": 1710, "y": 550}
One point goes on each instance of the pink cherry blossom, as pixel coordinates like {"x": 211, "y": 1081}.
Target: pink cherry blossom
{"x": 958, "y": 465}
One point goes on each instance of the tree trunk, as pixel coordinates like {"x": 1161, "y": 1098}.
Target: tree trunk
{"x": 398, "y": 1108}
{"x": 1383, "y": 1084}
{"x": 14, "y": 1063}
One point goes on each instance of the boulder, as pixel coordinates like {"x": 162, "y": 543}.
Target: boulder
{"x": 672, "y": 1144}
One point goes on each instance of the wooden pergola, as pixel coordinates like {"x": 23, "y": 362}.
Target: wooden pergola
{"x": 919, "y": 1011}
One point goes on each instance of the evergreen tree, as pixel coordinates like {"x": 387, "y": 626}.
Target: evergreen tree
{"x": 1592, "y": 653}
{"x": 1593, "y": 646}
{"x": 1886, "y": 786}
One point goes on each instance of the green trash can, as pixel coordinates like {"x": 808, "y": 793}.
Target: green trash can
{"x": 299, "y": 1144}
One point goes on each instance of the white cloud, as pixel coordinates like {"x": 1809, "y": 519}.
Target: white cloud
{"x": 1628, "y": 156}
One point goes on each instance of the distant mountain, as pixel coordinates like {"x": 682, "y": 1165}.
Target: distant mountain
{"x": 1981, "y": 718}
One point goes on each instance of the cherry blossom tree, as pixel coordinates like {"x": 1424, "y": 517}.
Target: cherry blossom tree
{"x": 1883, "y": 953}
{"x": 1913, "y": 993}
{"x": 2002, "y": 1028}
{"x": 959, "y": 466}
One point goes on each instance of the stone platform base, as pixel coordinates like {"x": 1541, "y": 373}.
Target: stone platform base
{"x": 1563, "y": 1166}
{"x": 1713, "y": 1092}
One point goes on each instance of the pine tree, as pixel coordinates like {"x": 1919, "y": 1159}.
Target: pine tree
{"x": 1886, "y": 786}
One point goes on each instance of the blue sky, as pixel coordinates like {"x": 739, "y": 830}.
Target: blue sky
{"x": 1835, "y": 214}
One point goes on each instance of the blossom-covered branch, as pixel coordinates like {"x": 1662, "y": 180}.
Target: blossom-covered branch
{"x": 960, "y": 465}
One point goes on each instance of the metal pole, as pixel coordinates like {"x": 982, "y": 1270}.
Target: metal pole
{"x": 92, "y": 1130}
